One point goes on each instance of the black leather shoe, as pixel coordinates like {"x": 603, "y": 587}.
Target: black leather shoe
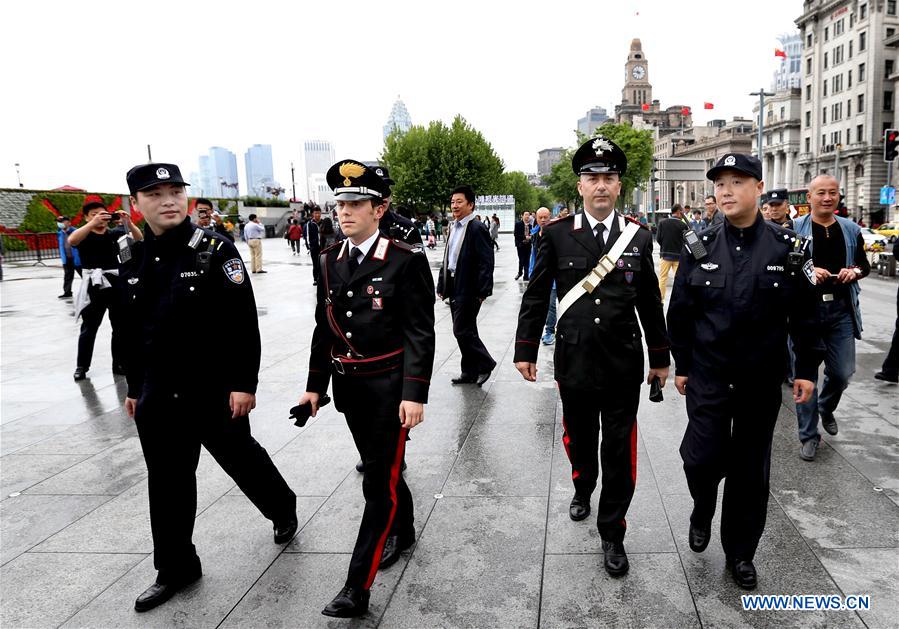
{"x": 886, "y": 376}
{"x": 579, "y": 508}
{"x": 483, "y": 377}
{"x": 829, "y": 422}
{"x": 159, "y": 593}
{"x": 285, "y": 529}
{"x": 349, "y": 603}
{"x": 360, "y": 466}
{"x": 744, "y": 573}
{"x": 615, "y": 559}
{"x": 64, "y": 296}
{"x": 464, "y": 379}
{"x": 394, "y": 545}
{"x": 699, "y": 538}
{"x": 80, "y": 373}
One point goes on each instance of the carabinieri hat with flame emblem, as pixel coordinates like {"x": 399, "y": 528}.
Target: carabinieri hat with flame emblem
{"x": 599, "y": 155}
{"x": 352, "y": 180}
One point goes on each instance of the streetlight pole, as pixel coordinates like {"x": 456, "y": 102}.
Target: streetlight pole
{"x": 149, "y": 155}
{"x": 18, "y": 176}
{"x": 761, "y": 94}
{"x": 293, "y": 183}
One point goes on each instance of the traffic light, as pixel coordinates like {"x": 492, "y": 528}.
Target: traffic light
{"x": 890, "y": 145}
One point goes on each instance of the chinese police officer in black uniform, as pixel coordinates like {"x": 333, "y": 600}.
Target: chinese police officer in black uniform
{"x": 374, "y": 334}
{"x": 599, "y": 353}
{"x": 743, "y": 283}
{"x": 177, "y": 275}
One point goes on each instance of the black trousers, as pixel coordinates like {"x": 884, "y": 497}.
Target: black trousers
{"x": 69, "y": 275}
{"x": 315, "y": 254}
{"x": 102, "y": 300}
{"x": 614, "y": 412}
{"x": 171, "y": 431}
{"x": 891, "y": 362}
{"x": 475, "y": 357}
{"x": 371, "y": 407}
{"x": 729, "y": 437}
{"x": 524, "y": 260}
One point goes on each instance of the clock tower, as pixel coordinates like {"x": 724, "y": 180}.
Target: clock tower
{"x": 637, "y": 89}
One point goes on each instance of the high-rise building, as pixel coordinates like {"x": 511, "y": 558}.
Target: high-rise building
{"x": 847, "y": 98}
{"x": 782, "y": 138}
{"x": 594, "y": 118}
{"x": 218, "y": 174}
{"x": 789, "y": 74}
{"x": 260, "y": 171}
{"x": 319, "y": 156}
{"x": 547, "y": 158}
{"x": 399, "y": 119}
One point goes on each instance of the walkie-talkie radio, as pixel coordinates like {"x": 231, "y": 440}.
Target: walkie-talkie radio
{"x": 694, "y": 245}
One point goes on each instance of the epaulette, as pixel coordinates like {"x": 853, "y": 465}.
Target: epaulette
{"x": 711, "y": 232}
{"x": 332, "y": 246}
{"x": 635, "y": 222}
{"x": 405, "y": 246}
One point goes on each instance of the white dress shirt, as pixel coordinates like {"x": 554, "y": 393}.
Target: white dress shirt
{"x": 455, "y": 241}
{"x": 364, "y": 246}
{"x": 607, "y": 222}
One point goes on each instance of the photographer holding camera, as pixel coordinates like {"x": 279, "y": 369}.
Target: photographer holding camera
{"x": 100, "y": 288}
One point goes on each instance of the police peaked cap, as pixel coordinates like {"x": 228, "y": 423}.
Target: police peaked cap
{"x": 148, "y": 175}
{"x": 599, "y": 155}
{"x": 746, "y": 164}
{"x": 351, "y": 180}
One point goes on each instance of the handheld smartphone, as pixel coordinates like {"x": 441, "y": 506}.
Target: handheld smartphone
{"x": 655, "y": 390}
{"x": 694, "y": 244}
{"x": 302, "y": 412}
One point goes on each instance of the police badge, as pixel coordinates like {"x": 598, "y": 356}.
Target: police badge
{"x": 234, "y": 270}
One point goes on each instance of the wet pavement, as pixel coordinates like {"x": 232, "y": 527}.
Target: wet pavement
{"x": 487, "y": 469}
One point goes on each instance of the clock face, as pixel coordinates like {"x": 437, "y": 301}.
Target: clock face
{"x": 638, "y": 72}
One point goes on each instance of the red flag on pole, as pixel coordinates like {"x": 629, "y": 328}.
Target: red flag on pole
{"x": 780, "y": 53}
{"x": 708, "y": 105}
{"x": 685, "y": 111}
{"x": 645, "y": 106}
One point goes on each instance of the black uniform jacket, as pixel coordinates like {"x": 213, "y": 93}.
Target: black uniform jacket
{"x": 385, "y": 307}
{"x": 172, "y": 294}
{"x": 474, "y": 268}
{"x": 395, "y": 225}
{"x": 730, "y": 311}
{"x": 519, "y": 232}
{"x": 598, "y": 340}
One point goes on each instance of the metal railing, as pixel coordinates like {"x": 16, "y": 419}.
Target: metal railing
{"x": 30, "y": 247}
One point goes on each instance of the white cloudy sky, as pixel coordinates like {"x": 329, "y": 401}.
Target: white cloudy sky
{"x": 87, "y": 85}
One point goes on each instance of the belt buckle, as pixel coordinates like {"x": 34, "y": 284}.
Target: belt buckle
{"x": 827, "y": 297}
{"x": 338, "y": 366}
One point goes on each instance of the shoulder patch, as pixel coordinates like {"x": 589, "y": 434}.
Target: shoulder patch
{"x": 234, "y": 270}
{"x": 332, "y": 246}
{"x": 402, "y": 245}
{"x": 559, "y": 219}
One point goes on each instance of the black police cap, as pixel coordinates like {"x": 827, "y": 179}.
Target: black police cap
{"x": 351, "y": 180}
{"x": 599, "y": 155}
{"x": 381, "y": 171}
{"x": 145, "y": 176}
{"x": 778, "y": 195}
{"x": 746, "y": 164}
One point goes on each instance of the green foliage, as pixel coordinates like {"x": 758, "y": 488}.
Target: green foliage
{"x": 11, "y": 243}
{"x": 427, "y": 163}
{"x": 40, "y": 219}
{"x": 516, "y": 183}
{"x": 637, "y": 144}
{"x": 544, "y": 198}
{"x": 562, "y": 182}
{"x": 262, "y": 202}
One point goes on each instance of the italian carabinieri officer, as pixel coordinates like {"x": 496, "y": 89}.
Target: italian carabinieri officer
{"x": 374, "y": 335}
{"x": 602, "y": 265}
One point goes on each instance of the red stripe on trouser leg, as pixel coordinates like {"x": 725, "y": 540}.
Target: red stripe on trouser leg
{"x": 566, "y": 441}
{"x": 634, "y": 454}
{"x": 394, "y": 479}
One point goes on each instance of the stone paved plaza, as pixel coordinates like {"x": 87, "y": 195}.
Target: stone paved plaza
{"x": 487, "y": 469}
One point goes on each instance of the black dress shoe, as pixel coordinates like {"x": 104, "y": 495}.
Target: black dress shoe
{"x": 285, "y": 529}
{"x": 614, "y": 558}
{"x": 483, "y": 377}
{"x": 699, "y": 538}
{"x": 394, "y": 545}
{"x": 64, "y": 296}
{"x": 349, "y": 603}
{"x": 159, "y": 593}
{"x": 464, "y": 379}
{"x": 80, "y": 373}
{"x": 579, "y": 507}
{"x": 886, "y": 376}
{"x": 744, "y": 573}
{"x": 829, "y": 422}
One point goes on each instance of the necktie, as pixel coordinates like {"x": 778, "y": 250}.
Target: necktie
{"x": 598, "y": 232}
{"x": 354, "y": 259}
